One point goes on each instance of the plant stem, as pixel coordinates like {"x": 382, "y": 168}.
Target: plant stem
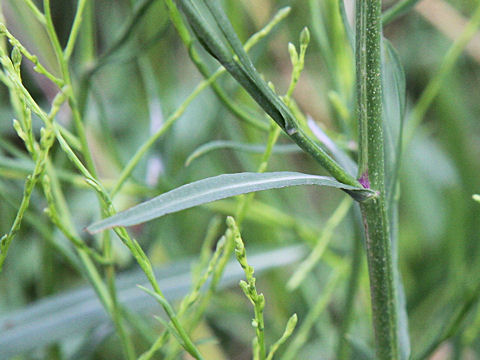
{"x": 372, "y": 175}
{"x": 75, "y": 30}
{"x": 72, "y": 101}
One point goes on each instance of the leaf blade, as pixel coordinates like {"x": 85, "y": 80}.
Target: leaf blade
{"x": 216, "y": 188}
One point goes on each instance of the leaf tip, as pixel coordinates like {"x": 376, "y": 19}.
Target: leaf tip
{"x": 96, "y": 227}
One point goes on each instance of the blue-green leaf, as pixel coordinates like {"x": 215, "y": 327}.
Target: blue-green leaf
{"x": 216, "y": 188}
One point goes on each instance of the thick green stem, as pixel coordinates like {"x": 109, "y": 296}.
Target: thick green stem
{"x": 372, "y": 175}
{"x": 380, "y": 269}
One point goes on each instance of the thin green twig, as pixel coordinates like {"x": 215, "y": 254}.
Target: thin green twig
{"x": 80, "y": 128}
{"x": 77, "y": 22}
{"x": 38, "y": 14}
{"x": 250, "y": 290}
{"x": 38, "y": 67}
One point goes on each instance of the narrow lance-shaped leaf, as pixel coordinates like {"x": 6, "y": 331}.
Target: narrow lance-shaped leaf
{"x": 216, "y": 188}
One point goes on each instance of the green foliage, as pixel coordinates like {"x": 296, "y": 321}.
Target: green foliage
{"x": 102, "y": 109}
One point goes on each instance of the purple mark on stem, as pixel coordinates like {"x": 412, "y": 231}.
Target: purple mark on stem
{"x": 364, "y": 180}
